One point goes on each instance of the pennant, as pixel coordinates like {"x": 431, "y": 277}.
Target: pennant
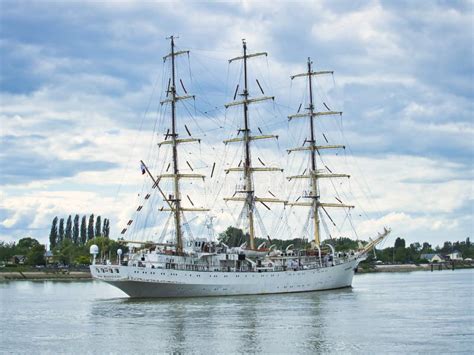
{"x": 142, "y": 166}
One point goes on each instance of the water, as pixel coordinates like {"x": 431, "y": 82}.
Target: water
{"x": 401, "y": 312}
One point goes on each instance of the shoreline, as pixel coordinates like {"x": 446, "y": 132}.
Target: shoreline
{"x": 44, "y": 275}
{"x": 86, "y": 275}
{"x": 412, "y": 267}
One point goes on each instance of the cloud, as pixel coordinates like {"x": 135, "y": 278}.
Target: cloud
{"x": 20, "y": 165}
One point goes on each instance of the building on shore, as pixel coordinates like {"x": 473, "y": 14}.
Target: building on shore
{"x": 17, "y": 260}
{"x": 432, "y": 258}
{"x": 455, "y": 255}
{"x": 49, "y": 257}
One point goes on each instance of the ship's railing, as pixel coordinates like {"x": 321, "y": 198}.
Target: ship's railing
{"x": 301, "y": 263}
{"x": 218, "y": 268}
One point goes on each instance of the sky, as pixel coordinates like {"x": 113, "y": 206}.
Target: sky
{"x": 81, "y": 82}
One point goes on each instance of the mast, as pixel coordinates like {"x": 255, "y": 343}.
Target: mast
{"x": 249, "y": 190}
{"x": 249, "y": 201}
{"x": 314, "y": 178}
{"x": 177, "y": 200}
{"x": 314, "y": 174}
{"x": 174, "y": 201}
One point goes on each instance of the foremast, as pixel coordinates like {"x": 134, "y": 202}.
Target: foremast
{"x": 175, "y": 200}
{"x": 314, "y": 175}
{"x": 249, "y": 189}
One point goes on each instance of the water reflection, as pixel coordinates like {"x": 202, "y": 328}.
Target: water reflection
{"x": 247, "y": 324}
{"x": 244, "y": 323}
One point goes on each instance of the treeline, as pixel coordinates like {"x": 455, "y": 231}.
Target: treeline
{"x": 29, "y": 251}
{"x": 77, "y": 234}
{"x": 401, "y": 253}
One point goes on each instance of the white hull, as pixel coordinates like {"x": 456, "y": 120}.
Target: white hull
{"x": 140, "y": 282}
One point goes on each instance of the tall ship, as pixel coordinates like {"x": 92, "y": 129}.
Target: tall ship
{"x": 187, "y": 266}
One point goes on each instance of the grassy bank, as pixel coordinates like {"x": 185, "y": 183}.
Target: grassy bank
{"x": 30, "y": 273}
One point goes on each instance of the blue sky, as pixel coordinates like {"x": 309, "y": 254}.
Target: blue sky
{"x": 79, "y": 81}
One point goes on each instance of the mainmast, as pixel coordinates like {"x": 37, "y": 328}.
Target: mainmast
{"x": 314, "y": 179}
{"x": 247, "y": 169}
{"x": 314, "y": 174}
{"x": 175, "y": 199}
{"x": 249, "y": 201}
{"x": 174, "y": 136}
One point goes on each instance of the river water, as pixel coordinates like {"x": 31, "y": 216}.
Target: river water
{"x": 422, "y": 312}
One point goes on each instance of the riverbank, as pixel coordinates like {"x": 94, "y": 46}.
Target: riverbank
{"x": 45, "y": 275}
{"x": 412, "y": 267}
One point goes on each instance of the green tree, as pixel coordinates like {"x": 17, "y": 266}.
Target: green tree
{"x": 90, "y": 228}
{"x": 400, "y": 255}
{"x": 98, "y": 227}
{"x": 399, "y": 243}
{"x": 68, "y": 233}
{"x": 467, "y": 249}
{"x": 416, "y": 247}
{"x": 427, "y": 248}
{"x": 35, "y": 255}
{"x": 387, "y": 255}
{"x": 7, "y": 250}
{"x": 25, "y": 244}
{"x": 66, "y": 252}
{"x": 53, "y": 234}
{"x": 82, "y": 260}
{"x": 447, "y": 247}
{"x": 83, "y": 230}
{"x": 233, "y": 237}
{"x": 75, "y": 230}
{"x": 343, "y": 244}
{"x": 61, "y": 231}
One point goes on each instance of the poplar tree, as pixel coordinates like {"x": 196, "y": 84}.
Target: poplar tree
{"x": 83, "y": 230}
{"x": 98, "y": 227}
{"x": 68, "y": 234}
{"x": 90, "y": 228}
{"x": 61, "y": 231}
{"x": 75, "y": 230}
{"x": 106, "y": 228}
{"x": 53, "y": 235}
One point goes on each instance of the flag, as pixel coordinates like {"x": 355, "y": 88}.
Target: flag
{"x": 142, "y": 166}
